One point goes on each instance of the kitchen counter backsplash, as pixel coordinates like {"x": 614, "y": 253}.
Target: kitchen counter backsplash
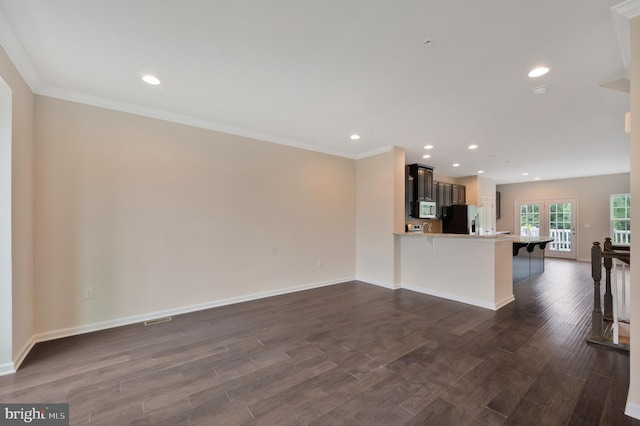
{"x": 431, "y": 226}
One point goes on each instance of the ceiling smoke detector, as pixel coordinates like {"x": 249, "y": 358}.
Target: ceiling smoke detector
{"x": 541, "y": 90}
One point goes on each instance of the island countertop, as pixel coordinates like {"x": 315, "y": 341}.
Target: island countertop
{"x": 531, "y": 240}
{"x": 517, "y": 239}
{"x": 501, "y": 237}
{"x": 530, "y": 243}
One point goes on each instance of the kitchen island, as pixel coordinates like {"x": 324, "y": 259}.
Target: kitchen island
{"x": 528, "y": 257}
{"x": 473, "y": 269}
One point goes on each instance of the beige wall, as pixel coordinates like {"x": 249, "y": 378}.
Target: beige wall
{"x": 634, "y": 387}
{"x": 440, "y": 178}
{"x": 378, "y": 208}
{"x": 470, "y": 184}
{"x": 6, "y": 280}
{"x": 593, "y": 195}
{"x": 155, "y": 215}
{"x": 21, "y": 205}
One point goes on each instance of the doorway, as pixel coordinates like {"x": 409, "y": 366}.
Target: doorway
{"x": 556, "y": 218}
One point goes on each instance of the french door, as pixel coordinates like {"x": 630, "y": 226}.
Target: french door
{"x": 554, "y": 218}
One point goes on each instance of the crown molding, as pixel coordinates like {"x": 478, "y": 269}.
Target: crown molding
{"x": 14, "y": 49}
{"x": 621, "y": 14}
{"x": 373, "y": 152}
{"x": 21, "y": 60}
{"x": 154, "y": 113}
{"x": 628, "y": 9}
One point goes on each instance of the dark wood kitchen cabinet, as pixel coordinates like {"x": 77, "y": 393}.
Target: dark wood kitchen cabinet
{"x": 458, "y": 194}
{"x": 444, "y": 195}
{"x": 434, "y": 193}
{"x": 421, "y": 178}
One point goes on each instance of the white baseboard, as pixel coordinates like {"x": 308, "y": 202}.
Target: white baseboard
{"x": 504, "y": 302}
{"x": 442, "y": 294}
{"x": 455, "y": 297}
{"x": 118, "y": 322}
{"x": 7, "y": 368}
{"x": 24, "y": 352}
{"x": 12, "y": 367}
{"x": 378, "y": 283}
{"x": 632, "y": 410}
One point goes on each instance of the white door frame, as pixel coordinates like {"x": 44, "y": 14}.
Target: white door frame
{"x": 544, "y": 223}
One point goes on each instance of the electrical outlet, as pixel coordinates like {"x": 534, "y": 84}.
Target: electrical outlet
{"x": 88, "y": 293}
{"x": 320, "y": 263}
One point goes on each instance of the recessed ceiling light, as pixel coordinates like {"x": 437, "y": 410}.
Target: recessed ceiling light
{"x": 455, "y": 165}
{"x": 536, "y": 178}
{"x": 541, "y": 90}
{"x": 525, "y": 174}
{"x": 151, "y": 79}
{"x": 426, "y": 156}
{"x": 538, "y": 72}
{"x": 480, "y": 172}
{"x": 354, "y": 137}
{"x": 428, "y": 147}
{"x": 473, "y": 147}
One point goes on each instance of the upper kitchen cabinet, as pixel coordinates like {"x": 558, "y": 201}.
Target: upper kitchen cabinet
{"x": 458, "y": 194}
{"x": 444, "y": 195}
{"x": 421, "y": 181}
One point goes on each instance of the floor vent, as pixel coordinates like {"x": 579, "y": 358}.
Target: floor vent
{"x": 157, "y": 321}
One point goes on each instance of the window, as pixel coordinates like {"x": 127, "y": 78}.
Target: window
{"x": 530, "y": 219}
{"x": 621, "y": 219}
{"x": 560, "y": 226}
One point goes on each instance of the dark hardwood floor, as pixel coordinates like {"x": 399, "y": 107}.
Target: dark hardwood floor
{"x": 352, "y": 354}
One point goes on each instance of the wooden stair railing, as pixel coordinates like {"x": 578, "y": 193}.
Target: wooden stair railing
{"x": 601, "y": 322}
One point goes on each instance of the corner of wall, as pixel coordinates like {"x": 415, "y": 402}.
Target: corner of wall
{"x": 633, "y": 399}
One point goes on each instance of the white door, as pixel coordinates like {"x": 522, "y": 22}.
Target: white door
{"x": 553, "y": 218}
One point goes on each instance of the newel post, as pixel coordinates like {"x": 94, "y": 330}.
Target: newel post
{"x": 596, "y": 273}
{"x": 608, "y": 297}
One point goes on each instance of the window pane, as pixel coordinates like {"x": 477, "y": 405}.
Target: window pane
{"x": 619, "y": 213}
{"x": 619, "y": 201}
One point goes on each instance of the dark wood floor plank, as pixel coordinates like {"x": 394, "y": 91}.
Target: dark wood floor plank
{"x": 347, "y": 354}
{"x": 509, "y": 397}
{"x": 335, "y": 417}
{"x": 439, "y": 412}
{"x": 528, "y": 413}
{"x": 591, "y": 401}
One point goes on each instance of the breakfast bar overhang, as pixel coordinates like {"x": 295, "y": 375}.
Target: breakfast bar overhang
{"x": 528, "y": 257}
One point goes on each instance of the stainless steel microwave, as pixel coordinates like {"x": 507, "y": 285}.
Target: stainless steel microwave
{"x": 424, "y": 210}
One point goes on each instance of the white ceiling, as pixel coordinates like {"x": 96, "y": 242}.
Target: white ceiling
{"x": 311, "y": 73}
